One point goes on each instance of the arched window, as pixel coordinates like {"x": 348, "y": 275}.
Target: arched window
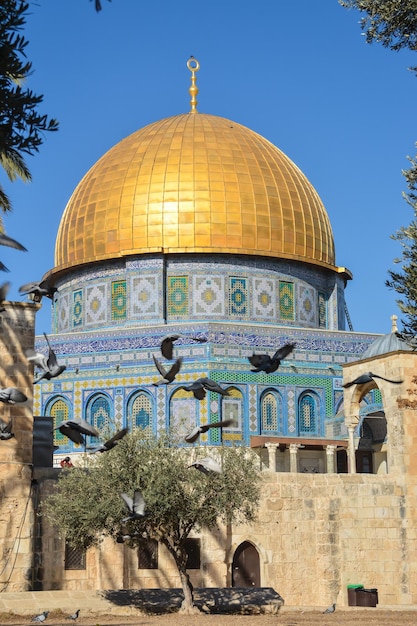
{"x": 140, "y": 412}
{"x": 307, "y": 414}
{"x": 99, "y": 412}
{"x": 232, "y": 408}
{"x": 271, "y": 413}
{"x": 59, "y": 409}
{"x": 183, "y": 412}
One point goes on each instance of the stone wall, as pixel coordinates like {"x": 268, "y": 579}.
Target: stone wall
{"x": 17, "y": 335}
{"x": 315, "y": 535}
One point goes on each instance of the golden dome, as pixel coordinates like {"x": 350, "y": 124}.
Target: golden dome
{"x": 194, "y": 183}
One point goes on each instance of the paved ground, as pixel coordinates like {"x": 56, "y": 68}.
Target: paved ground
{"x": 17, "y": 609}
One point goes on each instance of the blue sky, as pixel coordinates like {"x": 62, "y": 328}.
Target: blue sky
{"x": 297, "y": 72}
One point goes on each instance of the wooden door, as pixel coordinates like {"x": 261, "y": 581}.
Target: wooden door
{"x": 246, "y": 567}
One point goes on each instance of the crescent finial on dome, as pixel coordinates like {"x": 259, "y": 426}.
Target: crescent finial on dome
{"x": 193, "y": 65}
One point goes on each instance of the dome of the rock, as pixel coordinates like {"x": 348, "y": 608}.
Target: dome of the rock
{"x": 194, "y": 183}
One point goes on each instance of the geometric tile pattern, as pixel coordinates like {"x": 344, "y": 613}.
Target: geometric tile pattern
{"x": 183, "y": 413}
{"x": 95, "y": 304}
{"x": 307, "y": 306}
{"x": 322, "y": 311}
{"x": 238, "y": 296}
{"x": 208, "y": 295}
{"x": 271, "y": 413}
{"x": 232, "y": 408}
{"x": 144, "y": 296}
{"x": 286, "y": 300}
{"x": 118, "y": 300}
{"x": 264, "y": 298}
{"x": 307, "y": 415}
{"x": 77, "y": 308}
{"x": 177, "y": 296}
{"x": 140, "y": 413}
{"x": 64, "y": 309}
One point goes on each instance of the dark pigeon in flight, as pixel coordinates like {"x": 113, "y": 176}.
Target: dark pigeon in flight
{"x": 269, "y": 364}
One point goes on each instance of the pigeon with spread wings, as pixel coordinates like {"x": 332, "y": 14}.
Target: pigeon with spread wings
{"x": 6, "y": 430}
{"x": 367, "y": 378}
{"x": 269, "y": 364}
{"x": 136, "y": 506}
{"x": 207, "y": 465}
{"x": 11, "y": 395}
{"x": 198, "y": 430}
{"x": 49, "y": 365}
{"x": 167, "y": 375}
{"x": 112, "y": 442}
{"x": 167, "y": 344}
{"x": 200, "y": 386}
{"x": 38, "y": 290}
{"x": 75, "y": 429}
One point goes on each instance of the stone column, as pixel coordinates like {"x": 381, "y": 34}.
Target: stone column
{"x": 272, "y": 456}
{"x": 293, "y": 457}
{"x": 330, "y": 459}
{"x": 351, "y": 450}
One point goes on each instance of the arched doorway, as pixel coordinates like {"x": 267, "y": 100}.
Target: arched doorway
{"x": 246, "y": 570}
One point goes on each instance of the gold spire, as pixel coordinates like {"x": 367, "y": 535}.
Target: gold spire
{"x": 193, "y": 65}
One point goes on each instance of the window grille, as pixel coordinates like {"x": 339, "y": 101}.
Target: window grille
{"x": 148, "y": 554}
{"x": 74, "y": 557}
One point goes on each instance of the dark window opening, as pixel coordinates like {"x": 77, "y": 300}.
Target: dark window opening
{"x": 148, "y": 554}
{"x": 192, "y": 547}
{"x": 74, "y": 557}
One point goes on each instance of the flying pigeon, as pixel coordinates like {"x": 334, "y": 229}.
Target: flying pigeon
{"x": 135, "y": 506}
{"x": 200, "y": 386}
{"x": 6, "y": 430}
{"x": 366, "y": 378}
{"x": 198, "y": 430}
{"x": 74, "y": 616}
{"x": 38, "y": 290}
{"x": 4, "y": 290}
{"x": 48, "y": 365}
{"x": 11, "y": 395}
{"x": 75, "y": 429}
{"x": 330, "y": 609}
{"x": 167, "y": 344}
{"x": 111, "y": 443}
{"x": 167, "y": 376}
{"x": 207, "y": 465}
{"x": 11, "y": 243}
{"x": 268, "y": 364}
{"x": 40, "y": 618}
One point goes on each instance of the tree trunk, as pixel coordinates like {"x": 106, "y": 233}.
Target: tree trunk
{"x": 187, "y": 605}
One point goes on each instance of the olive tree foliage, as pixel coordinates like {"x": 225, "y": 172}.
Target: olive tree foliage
{"x": 393, "y": 23}
{"x": 21, "y": 125}
{"x": 87, "y": 504}
{"x": 404, "y": 281}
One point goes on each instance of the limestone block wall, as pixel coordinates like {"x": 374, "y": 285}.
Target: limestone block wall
{"x": 315, "y": 535}
{"x": 17, "y": 325}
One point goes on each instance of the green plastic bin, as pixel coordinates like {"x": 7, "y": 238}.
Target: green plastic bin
{"x": 352, "y": 594}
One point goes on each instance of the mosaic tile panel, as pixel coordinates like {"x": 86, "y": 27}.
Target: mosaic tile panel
{"x": 307, "y": 305}
{"x": 232, "y": 408}
{"x": 63, "y": 310}
{"x": 264, "y": 298}
{"x": 144, "y": 296}
{"x": 96, "y": 304}
{"x": 208, "y": 295}
{"x": 77, "y": 308}
{"x": 118, "y": 300}
{"x": 238, "y": 296}
{"x": 183, "y": 413}
{"x": 322, "y": 311}
{"x": 177, "y": 296}
{"x": 286, "y": 300}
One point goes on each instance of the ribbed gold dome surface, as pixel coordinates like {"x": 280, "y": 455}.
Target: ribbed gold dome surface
{"x": 194, "y": 183}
